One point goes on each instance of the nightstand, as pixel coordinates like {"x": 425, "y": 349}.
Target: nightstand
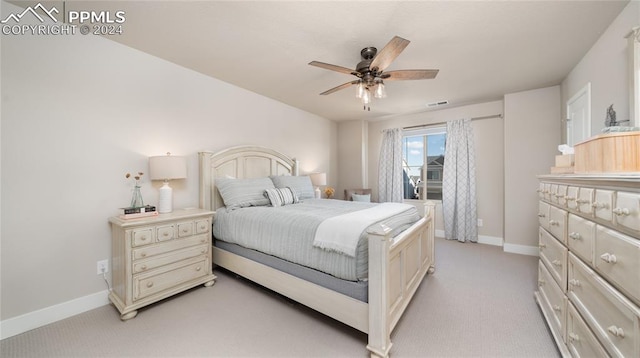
{"x": 156, "y": 257}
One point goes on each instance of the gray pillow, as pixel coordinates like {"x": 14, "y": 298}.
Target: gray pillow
{"x": 281, "y": 197}
{"x": 301, "y": 185}
{"x": 240, "y": 193}
{"x": 361, "y": 197}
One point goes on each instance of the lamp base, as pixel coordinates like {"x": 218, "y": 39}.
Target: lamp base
{"x": 165, "y": 201}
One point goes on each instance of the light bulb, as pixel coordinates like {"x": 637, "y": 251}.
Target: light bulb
{"x": 380, "y": 91}
{"x": 366, "y": 96}
{"x": 360, "y": 90}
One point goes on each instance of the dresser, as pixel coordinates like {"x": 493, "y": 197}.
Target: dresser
{"x": 156, "y": 257}
{"x": 589, "y": 267}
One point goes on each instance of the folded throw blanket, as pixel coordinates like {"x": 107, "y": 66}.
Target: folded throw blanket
{"x": 341, "y": 233}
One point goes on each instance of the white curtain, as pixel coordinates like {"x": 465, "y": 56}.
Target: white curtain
{"x": 459, "y": 183}
{"x": 390, "y": 167}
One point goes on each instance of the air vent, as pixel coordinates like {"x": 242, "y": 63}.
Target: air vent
{"x": 438, "y": 103}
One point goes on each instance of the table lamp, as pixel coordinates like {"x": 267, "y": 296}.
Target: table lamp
{"x": 318, "y": 179}
{"x": 167, "y": 167}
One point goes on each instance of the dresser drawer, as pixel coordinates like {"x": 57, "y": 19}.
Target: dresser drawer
{"x": 561, "y": 195}
{"x": 603, "y": 204}
{"x": 580, "y": 340}
{"x": 149, "y": 251}
{"x": 153, "y": 282}
{"x": 543, "y": 214}
{"x": 143, "y": 236}
{"x": 203, "y": 226}
{"x": 553, "y": 299}
{"x": 558, "y": 223}
{"x": 165, "y": 233}
{"x": 613, "y": 319}
{"x": 572, "y": 197}
{"x": 168, "y": 258}
{"x": 627, "y": 211}
{"x": 581, "y": 236}
{"x": 617, "y": 258}
{"x": 185, "y": 229}
{"x": 585, "y": 201}
{"x": 554, "y": 255}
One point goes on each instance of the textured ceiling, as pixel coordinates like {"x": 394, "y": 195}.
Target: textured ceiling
{"x": 483, "y": 49}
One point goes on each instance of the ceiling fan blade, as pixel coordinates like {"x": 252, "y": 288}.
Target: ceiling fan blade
{"x": 338, "y": 88}
{"x": 403, "y": 75}
{"x": 389, "y": 53}
{"x": 331, "y": 67}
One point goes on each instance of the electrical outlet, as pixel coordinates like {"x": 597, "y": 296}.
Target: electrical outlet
{"x": 480, "y": 223}
{"x": 103, "y": 266}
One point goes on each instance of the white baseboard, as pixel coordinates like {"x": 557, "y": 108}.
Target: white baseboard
{"x": 522, "y": 249}
{"x": 498, "y": 241}
{"x": 26, "y": 322}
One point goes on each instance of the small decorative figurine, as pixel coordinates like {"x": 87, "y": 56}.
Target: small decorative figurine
{"x": 610, "y": 121}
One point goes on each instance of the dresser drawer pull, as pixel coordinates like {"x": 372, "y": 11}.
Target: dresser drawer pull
{"x": 609, "y": 258}
{"x": 575, "y": 236}
{"x": 203, "y": 240}
{"x": 574, "y": 337}
{"x": 574, "y": 282}
{"x": 143, "y": 267}
{"x": 538, "y": 191}
{"x": 540, "y": 283}
{"x": 557, "y": 262}
{"x": 144, "y": 254}
{"x": 582, "y": 201}
{"x": 542, "y": 215}
{"x": 554, "y": 223}
{"x": 202, "y": 227}
{"x": 621, "y": 211}
{"x": 185, "y": 231}
{"x": 542, "y": 246}
{"x": 203, "y": 251}
{"x": 198, "y": 268}
{"x": 616, "y": 331}
{"x": 556, "y": 308}
{"x": 596, "y": 205}
{"x": 143, "y": 237}
{"x": 569, "y": 198}
{"x": 165, "y": 234}
{"x": 150, "y": 284}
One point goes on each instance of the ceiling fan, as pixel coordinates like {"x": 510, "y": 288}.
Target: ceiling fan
{"x": 370, "y": 71}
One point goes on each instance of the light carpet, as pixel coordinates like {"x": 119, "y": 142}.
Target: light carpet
{"x": 478, "y": 303}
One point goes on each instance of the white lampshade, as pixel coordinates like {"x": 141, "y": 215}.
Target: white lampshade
{"x": 318, "y": 179}
{"x": 165, "y": 168}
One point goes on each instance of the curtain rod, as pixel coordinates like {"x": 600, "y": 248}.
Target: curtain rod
{"x": 445, "y": 122}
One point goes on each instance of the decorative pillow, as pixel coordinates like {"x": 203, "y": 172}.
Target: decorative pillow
{"x": 281, "y": 196}
{"x": 240, "y": 193}
{"x": 361, "y": 197}
{"x": 301, "y": 185}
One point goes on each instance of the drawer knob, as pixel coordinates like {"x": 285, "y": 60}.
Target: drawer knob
{"x": 165, "y": 234}
{"x": 143, "y": 237}
{"x": 574, "y": 337}
{"x": 554, "y": 222}
{"x": 542, "y": 246}
{"x": 150, "y": 284}
{"x": 616, "y": 331}
{"x": 574, "y": 282}
{"x": 198, "y": 268}
{"x": 569, "y": 198}
{"x": 609, "y": 258}
{"x": 557, "y": 262}
{"x": 185, "y": 231}
{"x": 621, "y": 211}
{"x": 144, "y": 267}
{"x": 556, "y": 308}
{"x": 596, "y": 205}
{"x": 202, "y": 227}
{"x": 582, "y": 201}
{"x": 541, "y": 215}
{"x": 144, "y": 254}
{"x": 540, "y": 283}
{"x": 574, "y": 235}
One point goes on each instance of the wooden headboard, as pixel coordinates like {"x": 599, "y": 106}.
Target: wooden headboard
{"x": 239, "y": 162}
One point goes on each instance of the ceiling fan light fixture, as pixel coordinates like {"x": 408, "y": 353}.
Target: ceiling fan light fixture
{"x": 366, "y": 96}
{"x": 360, "y": 89}
{"x": 380, "y": 91}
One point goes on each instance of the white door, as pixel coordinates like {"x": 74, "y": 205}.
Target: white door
{"x": 579, "y": 116}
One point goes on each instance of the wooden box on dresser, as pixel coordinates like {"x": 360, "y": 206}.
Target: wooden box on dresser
{"x": 156, "y": 257}
{"x": 589, "y": 268}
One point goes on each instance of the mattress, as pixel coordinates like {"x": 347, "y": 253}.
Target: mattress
{"x": 288, "y": 233}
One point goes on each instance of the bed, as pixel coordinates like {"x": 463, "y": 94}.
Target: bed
{"x": 395, "y": 264}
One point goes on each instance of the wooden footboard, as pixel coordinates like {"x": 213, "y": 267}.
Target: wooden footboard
{"x": 396, "y": 268}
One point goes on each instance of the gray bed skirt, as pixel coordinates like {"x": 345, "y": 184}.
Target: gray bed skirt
{"x": 355, "y": 289}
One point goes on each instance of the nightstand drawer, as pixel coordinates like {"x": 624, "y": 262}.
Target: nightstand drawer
{"x": 164, "y": 233}
{"x": 185, "y": 229}
{"x": 203, "y": 226}
{"x": 149, "y": 251}
{"x": 174, "y": 256}
{"x": 145, "y": 285}
{"x": 142, "y": 237}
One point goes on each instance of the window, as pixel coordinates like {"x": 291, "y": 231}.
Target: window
{"x": 423, "y": 162}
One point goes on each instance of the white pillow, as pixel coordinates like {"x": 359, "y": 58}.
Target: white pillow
{"x": 361, "y": 197}
{"x": 301, "y": 185}
{"x": 281, "y": 196}
{"x": 240, "y": 193}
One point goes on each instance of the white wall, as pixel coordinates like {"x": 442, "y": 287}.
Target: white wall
{"x": 352, "y": 162}
{"x": 78, "y": 112}
{"x": 605, "y": 66}
{"x": 488, "y": 138}
{"x": 532, "y": 135}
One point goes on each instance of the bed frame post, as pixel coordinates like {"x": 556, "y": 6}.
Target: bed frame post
{"x": 379, "y": 320}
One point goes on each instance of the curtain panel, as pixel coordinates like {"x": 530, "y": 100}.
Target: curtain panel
{"x": 459, "y": 183}
{"x": 390, "y": 167}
